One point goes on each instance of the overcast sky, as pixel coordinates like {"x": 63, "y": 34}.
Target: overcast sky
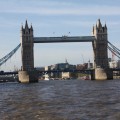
{"x": 56, "y": 18}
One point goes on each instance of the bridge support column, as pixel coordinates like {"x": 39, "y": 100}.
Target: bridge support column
{"x": 101, "y": 65}
{"x": 103, "y": 74}
{"x": 28, "y": 76}
{"x": 93, "y": 75}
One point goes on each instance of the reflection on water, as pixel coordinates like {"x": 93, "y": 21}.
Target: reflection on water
{"x": 60, "y": 100}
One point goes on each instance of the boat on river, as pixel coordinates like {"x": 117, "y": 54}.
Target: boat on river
{"x": 86, "y": 78}
{"x": 47, "y": 77}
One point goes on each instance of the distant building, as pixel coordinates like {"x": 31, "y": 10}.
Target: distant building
{"x": 40, "y": 68}
{"x": 114, "y": 64}
{"x": 65, "y": 66}
{"x": 118, "y": 65}
{"x": 66, "y": 75}
{"x": 61, "y": 66}
{"x": 47, "y": 68}
{"x": 84, "y": 66}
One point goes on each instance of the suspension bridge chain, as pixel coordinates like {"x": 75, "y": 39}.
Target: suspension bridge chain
{"x": 9, "y": 55}
{"x": 114, "y": 49}
{"x": 113, "y": 52}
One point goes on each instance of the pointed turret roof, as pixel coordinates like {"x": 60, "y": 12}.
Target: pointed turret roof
{"x": 105, "y": 26}
{"x": 26, "y": 25}
{"x": 96, "y": 25}
{"x": 99, "y": 25}
{"x": 31, "y": 27}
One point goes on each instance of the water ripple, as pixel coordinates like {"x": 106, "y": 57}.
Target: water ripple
{"x": 61, "y": 100}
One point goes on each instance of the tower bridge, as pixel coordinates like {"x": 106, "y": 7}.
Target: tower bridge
{"x": 99, "y": 43}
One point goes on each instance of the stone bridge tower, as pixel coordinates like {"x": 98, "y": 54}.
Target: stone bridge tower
{"x": 100, "y": 52}
{"x": 27, "y": 48}
{"x": 27, "y": 73}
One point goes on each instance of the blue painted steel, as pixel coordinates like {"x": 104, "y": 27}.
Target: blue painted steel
{"x": 64, "y": 39}
{"x": 57, "y": 71}
{"x": 9, "y": 55}
{"x": 8, "y": 73}
{"x": 114, "y": 49}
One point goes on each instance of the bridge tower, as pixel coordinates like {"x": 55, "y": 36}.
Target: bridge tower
{"x": 100, "y": 44}
{"x": 27, "y": 73}
{"x": 27, "y": 48}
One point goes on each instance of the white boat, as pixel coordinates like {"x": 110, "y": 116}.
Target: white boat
{"x": 47, "y": 77}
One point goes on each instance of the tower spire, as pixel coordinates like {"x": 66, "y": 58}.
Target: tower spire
{"x": 99, "y": 25}
{"x": 26, "y": 24}
{"x": 105, "y": 26}
{"x": 31, "y": 27}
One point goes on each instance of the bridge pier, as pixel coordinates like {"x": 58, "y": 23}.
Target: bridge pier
{"x": 103, "y": 74}
{"x": 27, "y": 76}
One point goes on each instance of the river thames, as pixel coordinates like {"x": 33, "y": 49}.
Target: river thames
{"x": 60, "y": 100}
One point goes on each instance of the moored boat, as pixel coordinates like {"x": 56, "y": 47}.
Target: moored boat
{"x": 86, "y": 78}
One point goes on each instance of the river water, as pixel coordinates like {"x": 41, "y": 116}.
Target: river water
{"x": 60, "y": 100}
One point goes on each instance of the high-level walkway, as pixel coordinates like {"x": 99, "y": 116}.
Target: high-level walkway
{"x": 64, "y": 39}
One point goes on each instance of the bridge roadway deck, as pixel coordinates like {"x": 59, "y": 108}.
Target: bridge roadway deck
{"x": 48, "y": 71}
{"x": 55, "y": 71}
{"x": 64, "y": 39}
